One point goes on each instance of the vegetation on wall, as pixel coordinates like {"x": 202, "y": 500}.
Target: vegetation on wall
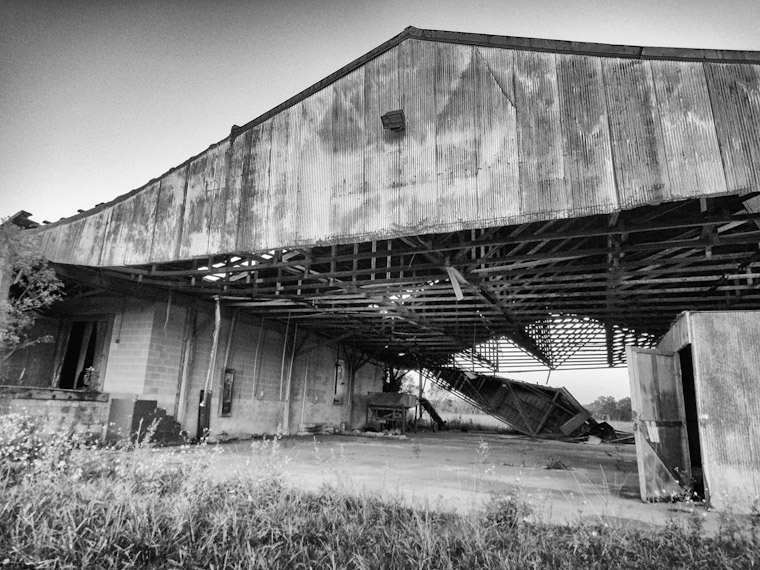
{"x": 27, "y": 287}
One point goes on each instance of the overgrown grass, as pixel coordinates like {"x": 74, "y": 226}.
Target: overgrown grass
{"x": 134, "y": 508}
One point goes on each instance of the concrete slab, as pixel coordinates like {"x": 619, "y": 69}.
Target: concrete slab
{"x": 456, "y": 471}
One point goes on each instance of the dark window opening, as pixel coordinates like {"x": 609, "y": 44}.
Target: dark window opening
{"x": 79, "y": 360}
{"x": 692, "y": 420}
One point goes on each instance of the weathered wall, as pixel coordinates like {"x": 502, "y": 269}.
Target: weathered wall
{"x": 81, "y": 413}
{"x": 726, "y": 348}
{"x": 679, "y": 334}
{"x": 494, "y": 136}
{"x": 145, "y": 361}
{"x": 260, "y": 392}
{"x": 129, "y": 348}
{"x": 726, "y": 355}
{"x": 162, "y": 370}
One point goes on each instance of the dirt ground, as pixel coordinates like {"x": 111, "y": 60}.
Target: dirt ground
{"x": 459, "y": 471}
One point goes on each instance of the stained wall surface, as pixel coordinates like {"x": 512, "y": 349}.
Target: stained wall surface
{"x": 494, "y": 136}
{"x": 726, "y": 355}
{"x": 274, "y": 389}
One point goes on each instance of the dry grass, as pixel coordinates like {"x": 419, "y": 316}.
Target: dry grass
{"x": 132, "y": 508}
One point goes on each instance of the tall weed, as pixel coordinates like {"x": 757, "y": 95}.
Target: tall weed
{"x": 140, "y": 508}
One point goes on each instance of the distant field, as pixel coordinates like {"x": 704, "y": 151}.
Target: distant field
{"x": 473, "y": 421}
{"x": 622, "y": 426}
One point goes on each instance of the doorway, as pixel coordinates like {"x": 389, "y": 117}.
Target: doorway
{"x": 686, "y": 361}
{"x": 82, "y": 362}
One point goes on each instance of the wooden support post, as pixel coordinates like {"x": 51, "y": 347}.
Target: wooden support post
{"x": 289, "y": 385}
{"x": 305, "y": 382}
{"x": 256, "y": 361}
{"x": 355, "y": 265}
{"x": 373, "y": 260}
{"x": 389, "y": 260}
{"x": 284, "y": 352}
{"x": 228, "y": 350}
{"x": 188, "y": 343}
{"x": 212, "y": 357}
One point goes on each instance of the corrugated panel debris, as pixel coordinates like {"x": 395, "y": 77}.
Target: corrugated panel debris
{"x": 528, "y": 408}
{"x": 494, "y": 136}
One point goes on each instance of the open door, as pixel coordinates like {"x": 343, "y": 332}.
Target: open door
{"x": 659, "y": 423}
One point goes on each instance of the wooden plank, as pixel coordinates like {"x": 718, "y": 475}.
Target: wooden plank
{"x": 574, "y": 423}
{"x": 659, "y": 422}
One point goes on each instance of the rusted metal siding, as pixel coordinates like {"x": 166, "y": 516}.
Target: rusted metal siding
{"x": 636, "y": 139}
{"x": 726, "y": 351}
{"x": 585, "y": 129}
{"x": 691, "y": 145}
{"x": 382, "y": 149}
{"x": 735, "y": 95}
{"x": 498, "y": 156}
{"x": 169, "y": 216}
{"x": 543, "y": 185}
{"x": 411, "y": 172}
{"x": 493, "y": 136}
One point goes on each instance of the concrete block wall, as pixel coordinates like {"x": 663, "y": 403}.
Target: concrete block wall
{"x": 198, "y": 365}
{"x": 129, "y": 349}
{"x": 162, "y": 370}
{"x": 260, "y": 389}
{"x": 86, "y": 417}
{"x": 314, "y": 377}
{"x": 369, "y": 378}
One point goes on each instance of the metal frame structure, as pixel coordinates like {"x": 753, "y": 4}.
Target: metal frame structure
{"x": 562, "y": 293}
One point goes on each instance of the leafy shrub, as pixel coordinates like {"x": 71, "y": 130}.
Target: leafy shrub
{"x": 32, "y": 446}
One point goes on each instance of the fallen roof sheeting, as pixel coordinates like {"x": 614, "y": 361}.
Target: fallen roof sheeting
{"x": 528, "y": 408}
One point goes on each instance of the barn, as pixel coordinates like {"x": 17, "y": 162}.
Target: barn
{"x": 445, "y": 202}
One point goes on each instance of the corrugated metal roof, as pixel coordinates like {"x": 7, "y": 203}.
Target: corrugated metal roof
{"x": 516, "y": 131}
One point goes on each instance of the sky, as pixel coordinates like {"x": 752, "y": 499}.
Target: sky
{"x": 99, "y": 97}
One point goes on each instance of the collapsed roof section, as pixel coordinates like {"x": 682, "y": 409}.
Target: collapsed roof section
{"x": 530, "y": 409}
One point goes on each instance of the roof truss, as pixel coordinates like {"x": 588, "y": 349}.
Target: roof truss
{"x": 557, "y": 294}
